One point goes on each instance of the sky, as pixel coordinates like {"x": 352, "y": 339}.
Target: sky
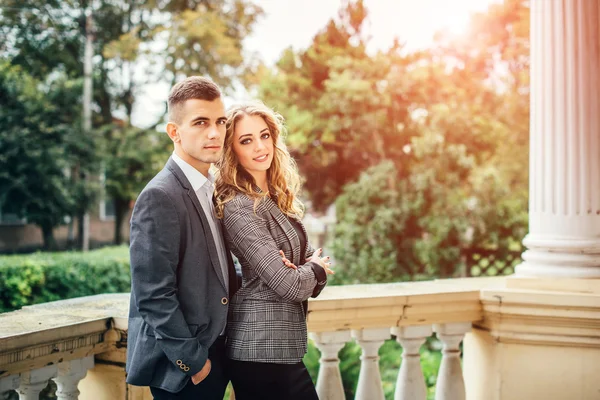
{"x": 295, "y": 22}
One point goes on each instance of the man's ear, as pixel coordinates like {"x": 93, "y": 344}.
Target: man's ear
{"x": 173, "y": 132}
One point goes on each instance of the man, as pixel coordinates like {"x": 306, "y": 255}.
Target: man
{"x": 182, "y": 275}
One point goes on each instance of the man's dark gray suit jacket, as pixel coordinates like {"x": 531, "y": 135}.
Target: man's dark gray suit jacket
{"x": 179, "y": 300}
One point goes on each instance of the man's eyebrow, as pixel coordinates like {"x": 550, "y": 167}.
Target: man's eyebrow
{"x": 200, "y": 118}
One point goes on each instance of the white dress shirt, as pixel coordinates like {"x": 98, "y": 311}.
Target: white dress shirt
{"x": 204, "y": 188}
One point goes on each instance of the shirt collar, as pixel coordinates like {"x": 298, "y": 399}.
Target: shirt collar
{"x": 197, "y": 180}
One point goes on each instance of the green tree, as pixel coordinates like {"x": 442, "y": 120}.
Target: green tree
{"x": 305, "y": 87}
{"x": 166, "y": 40}
{"x": 38, "y": 144}
{"x": 201, "y": 37}
{"x": 133, "y": 157}
{"x": 426, "y": 150}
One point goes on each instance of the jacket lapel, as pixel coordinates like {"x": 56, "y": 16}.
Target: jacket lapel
{"x": 305, "y": 250}
{"x": 287, "y": 228}
{"x": 212, "y": 248}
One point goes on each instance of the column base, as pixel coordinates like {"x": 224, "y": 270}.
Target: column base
{"x": 541, "y": 270}
{"x": 557, "y": 257}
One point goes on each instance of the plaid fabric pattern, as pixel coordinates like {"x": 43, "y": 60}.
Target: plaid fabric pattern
{"x": 266, "y": 316}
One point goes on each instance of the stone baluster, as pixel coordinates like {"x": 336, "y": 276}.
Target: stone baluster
{"x": 329, "y": 381}
{"x": 411, "y": 383}
{"x": 450, "y": 382}
{"x": 33, "y": 382}
{"x": 69, "y": 375}
{"x": 369, "y": 380}
{"x": 8, "y": 384}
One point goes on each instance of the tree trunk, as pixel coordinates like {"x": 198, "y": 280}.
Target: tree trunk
{"x": 121, "y": 209}
{"x": 80, "y": 231}
{"x": 48, "y": 234}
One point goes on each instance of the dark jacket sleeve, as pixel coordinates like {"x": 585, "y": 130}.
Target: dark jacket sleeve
{"x": 251, "y": 239}
{"x": 154, "y": 254}
{"x": 319, "y": 272}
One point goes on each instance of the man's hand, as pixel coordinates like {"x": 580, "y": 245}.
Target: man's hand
{"x": 203, "y": 373}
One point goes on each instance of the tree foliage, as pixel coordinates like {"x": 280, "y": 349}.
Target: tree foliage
{"x": 135, "y": 43}
{"x": 423, "y": 152}
{"x": 38, "y": 145}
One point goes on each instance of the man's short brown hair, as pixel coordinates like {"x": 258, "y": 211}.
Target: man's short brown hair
{"x": 193, "y": 87}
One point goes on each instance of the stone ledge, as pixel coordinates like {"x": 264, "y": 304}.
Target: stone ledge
{"x": 541, "y": 317}
{"x": 54, "y": 332}
{"x": 398, "y": 304}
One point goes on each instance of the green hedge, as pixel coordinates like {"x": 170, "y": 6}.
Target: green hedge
{"x": 42, "y": 277}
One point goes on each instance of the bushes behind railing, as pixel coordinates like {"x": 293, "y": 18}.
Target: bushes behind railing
{"x": 42, "y": 277}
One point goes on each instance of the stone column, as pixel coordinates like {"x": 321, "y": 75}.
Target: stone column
{"x": 564, "y": 187}
{"x": 369, "y": 380}
{"x": 411, "y": 382}
{"x": 33, "y": 382}
{"x": 69, "y": 375}
{"x": 8, "y": 384}
{"x": 329, "y": 381}
{"x": 450, "y": 382}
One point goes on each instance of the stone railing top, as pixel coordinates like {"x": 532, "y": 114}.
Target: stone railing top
{"x": 51, "y": 332}
{"x": 75, "y": 316}
{"x": 399, "y": 304}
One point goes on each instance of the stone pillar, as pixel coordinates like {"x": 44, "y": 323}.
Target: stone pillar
{"x": 564, "y": 188}
{"x": 104, "y": 382}
{"x": 329, "y": 381}
{"x": 33, "y": 382}
{"x": 450, "y": 382}
{"x": 369, "y": 380}
{"x": 69, "y": 375}
{"x": 8, "y": 384}
{"x": 411, "y": 382}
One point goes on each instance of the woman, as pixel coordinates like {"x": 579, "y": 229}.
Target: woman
{"x": 256, "y": 196}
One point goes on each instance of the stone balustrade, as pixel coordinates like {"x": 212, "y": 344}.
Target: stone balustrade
{"x": 70, "y": 340}
{"x": 410, "y": 312}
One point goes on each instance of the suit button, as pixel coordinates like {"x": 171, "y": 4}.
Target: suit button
{"x": 186, "y": 369}
{"x": 224, "y": 301}
{"x": 182, "y": 366}
{"x": 179, "y": 362}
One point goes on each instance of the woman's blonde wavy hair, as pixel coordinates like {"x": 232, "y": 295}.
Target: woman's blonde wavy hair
{"x": 282, "y": 176}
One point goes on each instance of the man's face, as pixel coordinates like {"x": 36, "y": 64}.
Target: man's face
{"x": 200, "y": 131}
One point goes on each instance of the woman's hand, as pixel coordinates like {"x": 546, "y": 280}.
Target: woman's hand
{"x": 322, "y": 261}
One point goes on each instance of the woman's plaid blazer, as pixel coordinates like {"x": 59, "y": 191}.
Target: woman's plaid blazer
{"x": 267, "y": 320}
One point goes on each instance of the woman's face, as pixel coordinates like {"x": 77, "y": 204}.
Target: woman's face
{"x": 253, "y": 144}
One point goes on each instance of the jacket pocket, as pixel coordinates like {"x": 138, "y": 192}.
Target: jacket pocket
{"x": 193, "y": 329}
{"x": 150, "y": 332}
